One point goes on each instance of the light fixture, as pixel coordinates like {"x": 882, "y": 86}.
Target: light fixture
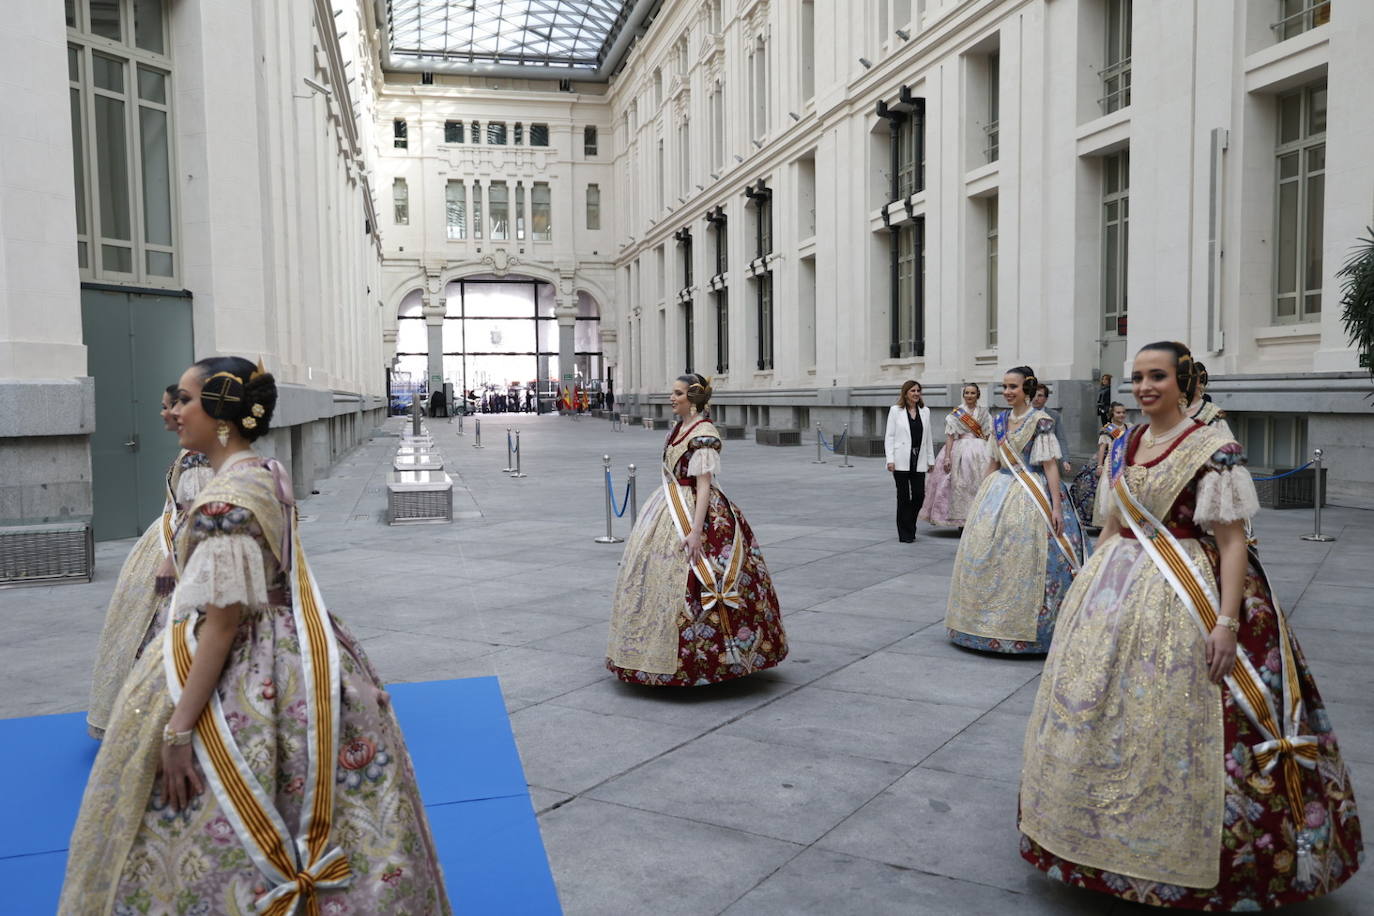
{"x": 904, "y": 35}
{"x": 701, "y": 187}
{"x": 794, "y": 116}
{"x": 757, "y": 144}
{"x": 319, "y": 87}
{"x": 715, "y": 176}
{"x": 868, "y": 64}
{"x": 738, "y": 157}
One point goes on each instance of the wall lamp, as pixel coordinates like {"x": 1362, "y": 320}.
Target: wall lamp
{"x": 794, "y": 116}
{"x": 904, "y": 35}
{"x": 738, "y": 157}
{"x": 868, "y": 64}
{"x": 757, "y": 144}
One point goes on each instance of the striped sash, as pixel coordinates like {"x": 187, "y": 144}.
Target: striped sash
{"x": 169, "y": 512}
{"x": 1199, "y": 596}
{"x": 298, "y": 867}
{"x": 720, "y": 594}
{"x": 968, "y": 419}
{"x": 1012, "y": 459}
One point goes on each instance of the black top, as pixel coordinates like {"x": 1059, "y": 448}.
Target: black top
{"x": 917, "y": 428}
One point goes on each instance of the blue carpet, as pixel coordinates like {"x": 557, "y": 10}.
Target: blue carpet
{"x": 470, "y": 776}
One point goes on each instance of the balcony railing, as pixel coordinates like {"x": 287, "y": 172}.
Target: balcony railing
{"x": 1116, "y": 86}
{"x": 1309, "y": 17}
{"x": 992, "y": 146}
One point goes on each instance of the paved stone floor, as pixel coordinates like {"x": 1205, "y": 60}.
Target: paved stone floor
{"x": 873, "y": 772}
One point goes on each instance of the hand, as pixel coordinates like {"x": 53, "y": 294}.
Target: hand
{"x": 1221, "y": 653}
{"x": 180, "y": 781}
{"x": 891, "y": 466}
{"x": 1057, "y": 518}
{"x": 691, "y": 544}
{"x": 166, "y": 579}
{"x": 1067, "y": 467}
{"x": 947, "y": 465}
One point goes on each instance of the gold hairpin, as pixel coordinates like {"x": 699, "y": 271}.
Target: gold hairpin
{"x": 259, "y": 371}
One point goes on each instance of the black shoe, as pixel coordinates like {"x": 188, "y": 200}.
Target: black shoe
{"x": 907, "y": 540}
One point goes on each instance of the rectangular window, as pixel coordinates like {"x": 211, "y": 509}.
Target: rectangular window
{"x": 911, "y": 152}
{"x": 1116, "y": 76}
{"x": 476, "y": 132}
{"x": 686, "y": 246}
{"x": 539, "y": 135}
{"x": 519, "y": 211}
{"x": 722, "y": 246}
{"x": 723, "y": 330}
{"x": 496, "y": 133}
{"x": 759, "y": 86}
{"x": 684, "y": 157}
{"x": 519, "y": 134}
{"x": 498, "y": 205}
{"x": 593, "y": 206}
{"x": 400, "y": 202}
{"x": 1297, "y": 16}
{"x": 908, "y": 291}
{"x": 718, "y": 126}
{"x": 763, "y": 225}
{"x": 589, "y": 141}
{"x": 453, "y": 131}
{"x": 399, "y": 134}
{"x": 455, "y": 210}
{"x": 541, "y": 211}
{"x": 991, "y": 205}
{"x": 1300, "y": 204}
{"x": 992, "y": 147}
{"x": 1116, "y": 230}
{"x": 688, "y": 335}
{"x": 476, "y": 210}
{"x": 764, "y": 285}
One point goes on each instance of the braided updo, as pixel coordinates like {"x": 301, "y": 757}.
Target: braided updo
{"x": 1029, "y": 383}
{"x": 1184, "y": 364}
{"x": 698, "y": 390}
{"x": 236, "y": 392}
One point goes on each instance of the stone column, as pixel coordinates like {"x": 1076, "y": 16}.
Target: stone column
{"x": 566, "y": 313}
{"x": 434, "y": 309}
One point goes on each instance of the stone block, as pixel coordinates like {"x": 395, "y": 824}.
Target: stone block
{"x": 47, "y": 407}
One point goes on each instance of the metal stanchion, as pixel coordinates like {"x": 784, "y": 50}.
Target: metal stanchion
{"x": 634, "y": 498}
{"x": 460, "y": 424}
{"x": 477, "y": 433}
{"x": 608, "y": 537}
{"x": 518, "y": 473}
{"x": 415, "y": 416}
{"x": 820, "y": 437}
{"x": 510, "y": 465}
{"x": 845, "y": 434}
{"x": 1317, "y": 496}
{"x": 616, "y": 425}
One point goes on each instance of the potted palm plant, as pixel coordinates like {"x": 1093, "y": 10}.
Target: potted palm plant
{"x": 1357, "y": 300}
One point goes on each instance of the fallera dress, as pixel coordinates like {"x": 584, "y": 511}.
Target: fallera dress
{"x": 680, "y": 624}
{"x": 309, "y": 792}
{"x": 1143, "y": 779}
{"x": 1084, "y": 489}
{"x": 136, "y": 612}
{"x": 1010, "y": 571}
{"x": 949, "y": 495}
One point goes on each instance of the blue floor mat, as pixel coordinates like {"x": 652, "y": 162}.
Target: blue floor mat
{"x": 470, "y": 776}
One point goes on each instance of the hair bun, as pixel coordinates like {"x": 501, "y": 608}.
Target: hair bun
{"x": 221, "y": 396}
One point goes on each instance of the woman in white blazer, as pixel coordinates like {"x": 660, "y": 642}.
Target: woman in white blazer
{"x": 909, "y": 455}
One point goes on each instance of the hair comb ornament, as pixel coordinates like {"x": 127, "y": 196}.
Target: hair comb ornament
{"x": 222, "y": 396}
{"x": 258, "y": 372}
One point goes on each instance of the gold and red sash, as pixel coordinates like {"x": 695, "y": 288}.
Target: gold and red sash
{"x": 970, "y": 421}
{"x": 169, "y": 510}
{"x": 722, "y": 593}
{"x": 296, "y": 868}
{"x": 1278, "y": 725}
{"x": 1011, "y": 459}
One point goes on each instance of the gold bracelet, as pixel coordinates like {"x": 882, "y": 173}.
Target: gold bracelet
{"x": 177, "y": 739}
{"x": 1229, "y": 623}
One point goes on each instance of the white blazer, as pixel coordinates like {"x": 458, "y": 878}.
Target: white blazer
{"x": 897, "y": 442}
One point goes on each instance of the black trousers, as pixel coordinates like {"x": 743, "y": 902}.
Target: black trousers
{"x": 911, "y": 493}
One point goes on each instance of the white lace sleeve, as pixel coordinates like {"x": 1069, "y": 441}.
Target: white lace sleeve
{"x": 223, "y": 569}
{"x": 191, "y": 482}
{"x": 1225, "y": 495}
{"x": 1045, "y": 446}
{"x": 704, "y": 460}
{"x": 953, "y": 425}
{"x": 1103, "y": 502}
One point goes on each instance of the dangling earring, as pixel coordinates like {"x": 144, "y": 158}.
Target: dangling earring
{"x": 222, "y": 434}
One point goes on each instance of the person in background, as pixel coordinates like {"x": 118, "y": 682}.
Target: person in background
{"x": 1204, "y": 410}
{"x": 958, "y": 471}
{"x": 1104, "y": 399}
{"x": 1042, "y": 397}
{"x": 910, "y": 454}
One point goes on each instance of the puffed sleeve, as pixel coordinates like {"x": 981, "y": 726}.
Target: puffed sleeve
{"x": 1225, "y": 490}
{"x": 1103, "y": 503}
{"x": 953, "y": 426}
{"x": 226, "y": 561}
{"x": 1045, "y": 445}
{"x": 193, "y": 479}
{"x": 705, "y": 457}
{"x": 1105, "y": 439}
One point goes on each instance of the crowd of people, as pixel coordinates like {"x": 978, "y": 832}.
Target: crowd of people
{"x": 1178, "y": 752}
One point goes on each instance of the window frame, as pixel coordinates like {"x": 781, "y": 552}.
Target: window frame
{"x": 400, "y": 201}
{"x": 456, "y": 231}
{"x": 453, "y": 132}
{"x": 1114, "y": 311}
{"x": 400, "y": 133}
{"x": 991, "y": 206}
{"x": 1303, "y": 147}
{"x": 590, "y": 141}
{"x": 535, "y": 233}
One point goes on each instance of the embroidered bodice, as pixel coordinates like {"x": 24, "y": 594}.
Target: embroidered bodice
{"x": 956, "y": 427}
{"x": 1031, "y": 436}
{"x": 691, "y": 450}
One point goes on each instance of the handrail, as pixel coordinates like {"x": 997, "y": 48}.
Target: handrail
{"x": 1309, "y": 11}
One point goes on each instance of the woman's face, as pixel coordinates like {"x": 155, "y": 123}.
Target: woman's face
{"x": 678, "y": 399}
{"x": 1154, "y": 382}
{"x": 1012, "y": 389}
{"x": 1119, "y": 414}
{"x": 970, "y": 397}
{"x": 169, "y": 422}
{"x": 913, "y": 396}
{"x": 195, "y": 428}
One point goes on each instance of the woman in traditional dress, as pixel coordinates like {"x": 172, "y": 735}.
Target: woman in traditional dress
{"x": 1022, "y": 542}
{"x": 1204, "y": 409}
{"x": 908, "y": 447}
{"x": 253, "y": 761}
{"x": 694, "y": 603}
{"x": 1178, "y": 753}
{"x": 136, "y": 609}
{"x": 963, "y": 460}
{"x": 1084, "y": 487}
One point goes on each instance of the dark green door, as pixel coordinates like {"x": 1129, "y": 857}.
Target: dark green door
{"x": 136, "y": 343}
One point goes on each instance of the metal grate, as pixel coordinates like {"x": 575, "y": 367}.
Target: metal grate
{"x": 419, "y": 506}
{"x": 46, "y": 554}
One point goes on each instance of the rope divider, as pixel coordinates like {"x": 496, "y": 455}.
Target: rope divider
{"x": 839, "y": 440}
{"x": 1284, "y": 474}
{"x": 610, "y": 492}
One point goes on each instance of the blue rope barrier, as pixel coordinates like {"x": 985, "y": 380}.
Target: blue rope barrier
{"x": 1285, "y": 473}
{"x": 839, "y": 441}
{"x": 610, "y": 491}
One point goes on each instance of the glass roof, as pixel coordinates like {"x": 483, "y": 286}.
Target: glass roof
{"x": 535, "y": 33}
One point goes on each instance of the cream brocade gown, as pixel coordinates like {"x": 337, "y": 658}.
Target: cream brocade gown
{"x": 131, "y": 854}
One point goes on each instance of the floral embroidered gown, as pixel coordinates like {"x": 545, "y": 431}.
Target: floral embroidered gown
{"x": 949, "y": 495}
{"x": 1140, "y": 777}
{"x": 668, "y": 628}
{"x": 1009, "y": 573}
{"x": 136, "y": 612}
{"x": 131, "y": 854}
{"x": 1084, "y": 489}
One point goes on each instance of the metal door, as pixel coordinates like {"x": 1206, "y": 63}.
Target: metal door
{"x": 136, "y": 345}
